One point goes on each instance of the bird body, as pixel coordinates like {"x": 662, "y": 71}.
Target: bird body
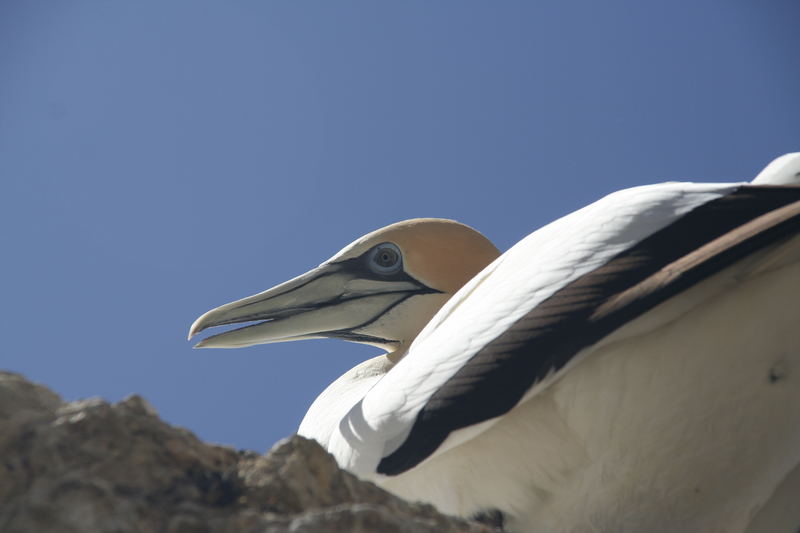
{"x": 633, "y": 366}
{"x": 651, "y": 453}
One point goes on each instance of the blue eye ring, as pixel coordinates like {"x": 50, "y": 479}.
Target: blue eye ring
{"x": 385, "y": 258}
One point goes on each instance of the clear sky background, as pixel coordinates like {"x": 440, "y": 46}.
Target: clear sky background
{"x": 160, "y": 158}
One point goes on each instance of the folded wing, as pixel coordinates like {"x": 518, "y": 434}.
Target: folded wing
{"x": 529, "y": 316}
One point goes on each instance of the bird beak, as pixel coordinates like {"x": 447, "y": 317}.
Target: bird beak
{"x": 333, "y": 300}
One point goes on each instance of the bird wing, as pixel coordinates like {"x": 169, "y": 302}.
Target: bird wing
{"x": 528, "y": 316}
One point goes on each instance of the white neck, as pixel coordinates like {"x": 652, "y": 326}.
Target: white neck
{"x": 341, "y": 395}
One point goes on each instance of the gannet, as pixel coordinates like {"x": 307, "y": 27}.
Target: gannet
{"x": 631, "y": 367}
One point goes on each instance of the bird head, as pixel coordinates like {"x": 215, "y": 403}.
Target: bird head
{"x": 381, "y": 290}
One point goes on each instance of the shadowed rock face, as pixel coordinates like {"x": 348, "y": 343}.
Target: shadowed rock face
{"x": 100, "y": 467}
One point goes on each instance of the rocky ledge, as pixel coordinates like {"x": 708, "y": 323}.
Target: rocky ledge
{"x": 100, "y": 467}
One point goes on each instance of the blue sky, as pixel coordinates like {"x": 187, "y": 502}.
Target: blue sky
{"x": 161, "y": 158}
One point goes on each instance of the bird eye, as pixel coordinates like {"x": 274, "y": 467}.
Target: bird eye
{"x": 385, "y": 258}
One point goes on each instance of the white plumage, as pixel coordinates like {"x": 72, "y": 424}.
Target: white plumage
{"x": 633, "y": 366}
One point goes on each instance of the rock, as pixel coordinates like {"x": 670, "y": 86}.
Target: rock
{"x": 100, "y": 467}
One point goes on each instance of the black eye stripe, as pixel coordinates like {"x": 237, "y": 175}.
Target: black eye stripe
{"x": 362, "y": 267}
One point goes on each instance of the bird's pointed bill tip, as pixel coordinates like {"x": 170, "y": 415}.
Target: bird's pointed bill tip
{"x": 196, "y": 327}
{"x": 200, "y": 345}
